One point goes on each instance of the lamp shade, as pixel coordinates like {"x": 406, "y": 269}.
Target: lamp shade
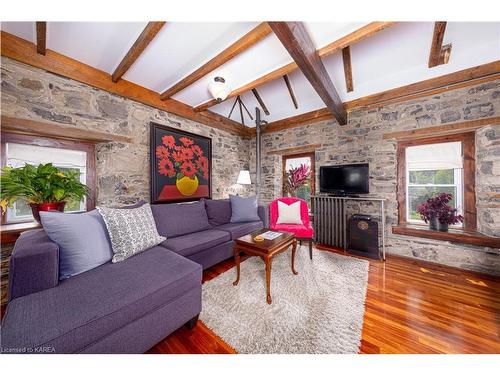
{"x": 219, "y": 89}
{"x": 244, "y": 178}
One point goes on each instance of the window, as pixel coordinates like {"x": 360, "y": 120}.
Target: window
{"x": 434, "y": 165}
{"x": 18, "y": 150}
{"x": 291, "y": 162}
{"x": 432, "y": 169}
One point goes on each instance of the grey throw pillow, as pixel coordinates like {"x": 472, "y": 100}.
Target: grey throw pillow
{"x": 82, "y": 239}
{"x": 244, "y": 209}
{"x": 131, "y": 230}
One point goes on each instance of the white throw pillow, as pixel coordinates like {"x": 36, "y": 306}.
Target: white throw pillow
{"x": 131, "y": 230}
{"x": 289, "y": 214}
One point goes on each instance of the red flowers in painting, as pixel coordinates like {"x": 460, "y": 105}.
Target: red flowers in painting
{"x": 188, "y": 169}
{"x": 166, "y": 168}
{"x": 168, "y": 141}
{"x": 202, "y": 164}
{"x": 185, "y": 160}
{"x": 186, "y": 141}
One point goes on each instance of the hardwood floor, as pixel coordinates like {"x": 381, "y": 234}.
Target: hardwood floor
{"x": 411, "y": 307}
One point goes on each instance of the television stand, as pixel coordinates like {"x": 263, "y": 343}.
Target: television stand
{"x": 330, "y": 219}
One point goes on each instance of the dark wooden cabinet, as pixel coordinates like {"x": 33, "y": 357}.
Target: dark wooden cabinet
{"x": 362, "y": 236}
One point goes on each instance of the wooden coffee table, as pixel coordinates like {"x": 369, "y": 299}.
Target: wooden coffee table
{"x": 266, "y": 250}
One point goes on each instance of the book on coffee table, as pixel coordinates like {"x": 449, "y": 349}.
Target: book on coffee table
{"x": 270, "y": 235}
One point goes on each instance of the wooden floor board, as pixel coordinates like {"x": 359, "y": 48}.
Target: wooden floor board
{"x": 411, "y": 307}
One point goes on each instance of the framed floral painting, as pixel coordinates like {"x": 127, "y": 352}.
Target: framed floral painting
{"x": 181, "y": 165}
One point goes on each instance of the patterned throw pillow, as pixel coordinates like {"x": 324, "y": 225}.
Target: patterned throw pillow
{"x": 131, "y": 230}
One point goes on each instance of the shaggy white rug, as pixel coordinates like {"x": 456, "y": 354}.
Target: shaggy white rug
{"x": 320, "y": 310}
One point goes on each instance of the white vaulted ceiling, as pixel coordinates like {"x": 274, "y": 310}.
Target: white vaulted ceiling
{"x": 393, "y": 57}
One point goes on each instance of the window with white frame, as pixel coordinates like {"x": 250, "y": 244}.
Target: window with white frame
{"x": 432, "y": 169}
{"x": 17, "y": 155}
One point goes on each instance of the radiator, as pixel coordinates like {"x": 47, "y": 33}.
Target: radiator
{"x": 329, "y": 221}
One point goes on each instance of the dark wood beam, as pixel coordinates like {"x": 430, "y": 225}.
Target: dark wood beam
{"x": 23, "y": 51}
{"x": 246, "y": 109}
{"x": 462, "y": 78}
{"x": 137, "y": 48}
{"x": 290, "y": 91}
{"x": 60, "y": 131}
{"x": 41, "y": 38}
{"x": 296, "y": 40}
{"x": 241, "y": 111}
{"x": 261, "y": 102}
{"x": 346, "y": 58}
{"x": 439, "y": 130}
{"x": 465, "y": 78}
{"x": 354, "y": 37}
{"x": 275, "y": 74}
{"x": 439, "y": 54}
{"x": 241, "y": 45}
{"x": 298, "y": 120}
{"x": 232, "y": 108}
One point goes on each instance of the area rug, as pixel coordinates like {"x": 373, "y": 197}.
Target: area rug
{"x": 320, "y": 310}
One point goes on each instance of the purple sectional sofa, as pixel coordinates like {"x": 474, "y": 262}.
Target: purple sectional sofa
{"x": 124, "y": 307}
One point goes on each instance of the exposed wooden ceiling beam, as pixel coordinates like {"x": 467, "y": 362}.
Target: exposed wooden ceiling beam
{"x": 275, "y": 74}
{"x": 453, "y": 81}
{"x": 298, "y": 120}
{"x": 59, "y": 131}
{"x": 261, "y": 102}
{"x": 290, "y": 91}
{"x": 432, "y": 86}
{"x": 346, "y": 59}
{"x": 147, "y": 35}
{"x": 232, "y": 108}
{"x": 439, "y": 55}
{"x": 298, "y": 43}
{"x": 354, "y": 37}
{"x": 21, "y": 50}
{"x": 241, "y": 110}
{"x": 246, "y": 109}
{"x": 241, "y": 45}
{"x": 446, "y": 129}
{"x": 41, "y": 37}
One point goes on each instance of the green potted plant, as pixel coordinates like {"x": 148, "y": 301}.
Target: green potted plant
{"x": 44, "y": 187}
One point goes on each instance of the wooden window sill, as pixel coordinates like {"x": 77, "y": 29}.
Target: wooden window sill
{"x": 10, "y": 232}
{"x": 453, "y": 235}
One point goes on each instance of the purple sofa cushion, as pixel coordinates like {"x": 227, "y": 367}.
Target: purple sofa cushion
{"x": 173, "y": 220}
{"x": 240, "y": 229}
{"x": 92, "y": 305}
{"x": 192, "y": 243}
{"x": 218, "y": 211}
{"x": 244, "y": 209}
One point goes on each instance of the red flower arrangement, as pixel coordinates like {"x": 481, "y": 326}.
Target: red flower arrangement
{"x": 180, "y": 161}
{"x": 437, "y": 208}
{"x": 296, "y": 177}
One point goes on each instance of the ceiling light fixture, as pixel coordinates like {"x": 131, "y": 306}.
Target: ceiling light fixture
{"x": 219, "y": 89}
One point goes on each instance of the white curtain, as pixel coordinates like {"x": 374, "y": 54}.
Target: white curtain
{"x": 434, "y": 156}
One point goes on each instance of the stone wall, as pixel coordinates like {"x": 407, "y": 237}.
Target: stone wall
{"x": 361, "y": 141}
{"x": 122, "y": 169}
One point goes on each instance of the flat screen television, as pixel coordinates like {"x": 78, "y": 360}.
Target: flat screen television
{"x": 347, "y": 179}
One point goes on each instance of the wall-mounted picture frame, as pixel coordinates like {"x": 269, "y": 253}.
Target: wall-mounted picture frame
{"x": 181, "y": 165}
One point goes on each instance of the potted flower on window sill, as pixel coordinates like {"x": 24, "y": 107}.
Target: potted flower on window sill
{"x": 438, "y": 213}
{"x": 44, "y": 187}
{"x": 296, "y": 178}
